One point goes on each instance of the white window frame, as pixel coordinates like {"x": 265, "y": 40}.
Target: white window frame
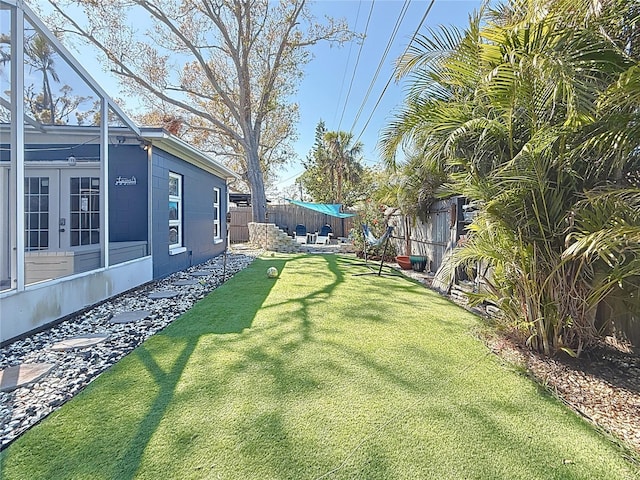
{"x": 217, "y": 231}
{"x": 175, "y": 248}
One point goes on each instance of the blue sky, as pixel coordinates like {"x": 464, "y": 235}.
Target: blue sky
{"x": 322, "y": 93}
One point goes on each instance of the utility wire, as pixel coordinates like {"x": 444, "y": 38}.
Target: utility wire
{"x": 399, "y": 21}
{"x": 289, "y": 178}
{"x": 396, "y": 27}
{"x": 424, "y": 17}
{"x": 346, "y": 66}
{"x": 355, "y": 68}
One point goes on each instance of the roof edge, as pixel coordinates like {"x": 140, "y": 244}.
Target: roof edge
{"x": 175, "y": 145}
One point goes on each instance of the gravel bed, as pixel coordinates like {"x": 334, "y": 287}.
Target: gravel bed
{"x": 25, "y": 406}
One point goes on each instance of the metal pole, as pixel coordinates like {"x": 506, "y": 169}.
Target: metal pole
{"x": 226, "y": 249}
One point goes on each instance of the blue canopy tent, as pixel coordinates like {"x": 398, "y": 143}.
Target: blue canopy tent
{"x": 332, "y": 209}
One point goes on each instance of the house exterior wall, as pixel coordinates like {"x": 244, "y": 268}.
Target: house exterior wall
{"x": 197, "y": 211}
{"x": 128, "y": 194}
{"x": 55, "y": 256}
{"x": 128, "y": 205}
{"x": 41, "y": 304}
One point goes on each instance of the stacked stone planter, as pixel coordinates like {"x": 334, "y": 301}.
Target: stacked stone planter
{"x": 271, "y": 238}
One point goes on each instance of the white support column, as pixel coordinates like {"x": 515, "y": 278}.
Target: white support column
{"x": 227, "y": 225}
{"x": 16, "y": 187}
{"x": 104, "y": 181}
{"x": 150, "y": 200}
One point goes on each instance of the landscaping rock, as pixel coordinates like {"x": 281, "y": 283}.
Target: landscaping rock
{"x": 72, "y": 370}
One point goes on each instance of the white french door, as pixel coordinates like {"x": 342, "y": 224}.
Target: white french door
{"x": 80, "y": 208}
{"x": 62, "y": 208}
{"x": 41, "y": 209}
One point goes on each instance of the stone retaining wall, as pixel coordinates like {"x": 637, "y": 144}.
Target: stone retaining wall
{"x": 271, "y": 238}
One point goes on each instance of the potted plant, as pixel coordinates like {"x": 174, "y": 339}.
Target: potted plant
{"x": 418, "y": 262}
{"x": 404, "y": 262}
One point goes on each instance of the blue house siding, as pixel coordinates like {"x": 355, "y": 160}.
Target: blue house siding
{"x": 128, "y": 187}
{"x": 128, "y": 212}
{"x": 197, "y": 214}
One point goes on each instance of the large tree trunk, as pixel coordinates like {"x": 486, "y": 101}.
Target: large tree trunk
{"x": 255, "y": 178}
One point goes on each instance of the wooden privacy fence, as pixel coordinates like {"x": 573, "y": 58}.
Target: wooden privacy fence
{"x": 431, "y": 238}
{"x": 286, "y": 217}
{"x": 446, "y": 222}
{"x": 238, "y": 228}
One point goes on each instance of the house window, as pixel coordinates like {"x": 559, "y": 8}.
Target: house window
{"x": 175, "y": 210}
{"x": 216, "y": 214}
{"x": 84, "y": 211}
{"x": 36, "y": 213}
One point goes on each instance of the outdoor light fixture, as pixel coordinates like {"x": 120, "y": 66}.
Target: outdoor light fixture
{"x": 144, "y": 145}
{"x": 120, "y": 139}
{"x": 71, "y": 160}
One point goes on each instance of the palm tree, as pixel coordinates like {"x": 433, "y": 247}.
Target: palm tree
{"x": 343, "y": 160}
{"x": 333, "y": 172}
{"x": 516, "y": 111}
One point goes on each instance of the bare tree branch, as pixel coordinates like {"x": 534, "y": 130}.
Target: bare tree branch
{"x": 230, "y": 67}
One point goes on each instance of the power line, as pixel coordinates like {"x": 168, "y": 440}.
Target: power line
{"x": 424, "y": 17}
{"x": 399, "y": 21}
{"x": 355, "y": 68}
{"x": 289, "y": 178}
{"x": 396, "y": 27}
{"x": 346, "y": 66}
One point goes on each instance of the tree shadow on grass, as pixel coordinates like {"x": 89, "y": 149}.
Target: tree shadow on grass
{"x": 295, "y": 360}
{"x": 118, "y": 415}
{"x": 306, "y": 324}
{"x": 287, "y": 376}
{"x": 129, "y": 463}
{"x": 293, "y": 372}
{"x": 229, "y": 319}
{"x": 244, "y": 294}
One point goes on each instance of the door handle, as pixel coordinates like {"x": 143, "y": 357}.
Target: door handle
{"x": 61, "y": 230}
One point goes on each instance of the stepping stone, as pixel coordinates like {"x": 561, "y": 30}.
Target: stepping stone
{"x": 81, "y": 341}
{"x": 189, "y": 281}
{"x": 132, "y": 316}
{"x": 163, "y": 294}
{"x": 20, "y": 375}
{"x": 201, "y": 273}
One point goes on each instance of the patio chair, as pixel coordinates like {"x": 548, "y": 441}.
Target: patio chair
{"x": 324, "y": 235}
{"x": 370, "y": 240}
{"x": 300, "y": 233}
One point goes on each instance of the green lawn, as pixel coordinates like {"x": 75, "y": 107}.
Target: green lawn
{"x": 317, "y": 374}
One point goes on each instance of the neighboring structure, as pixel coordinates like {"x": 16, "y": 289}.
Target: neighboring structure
{"x": 90, "y": 204}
